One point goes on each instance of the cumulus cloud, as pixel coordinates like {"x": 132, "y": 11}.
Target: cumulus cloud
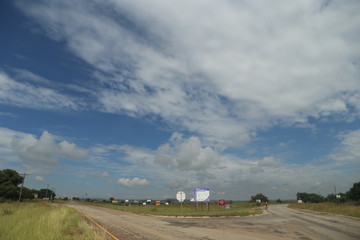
{"x": 44, "y": 153}
{"x": 221, "y": 70}
{"x": 71, "y": 151}
{"x": 36, "y": 152}
{"x": 40, "y": 178}
{"x": 186, "y": 154}
{"x": 135, "y": 182}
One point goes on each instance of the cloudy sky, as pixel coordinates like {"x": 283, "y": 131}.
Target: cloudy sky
{"x": 141, "y": 99}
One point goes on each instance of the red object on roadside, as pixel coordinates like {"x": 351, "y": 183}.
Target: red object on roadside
{"x": 222, "y": 202}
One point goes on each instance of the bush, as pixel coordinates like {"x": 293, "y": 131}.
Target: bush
{"x": 7, "y": 211}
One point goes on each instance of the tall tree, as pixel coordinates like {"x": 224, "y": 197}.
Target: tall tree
{"x": 46, "y": 193}
{"x": 354, "y": 192}
{"x": 9, "y": 181}
{"x": 260, "y": 196}
{"x": 310, "y": 197}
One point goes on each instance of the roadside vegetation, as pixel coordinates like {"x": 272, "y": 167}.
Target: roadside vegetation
{"x": 10, "y": 189}
{"x": 347, "y": 204}
{"x": 42, "y": 221}
{"x": 234, "y": 209}
{"x": 351, "y": 209}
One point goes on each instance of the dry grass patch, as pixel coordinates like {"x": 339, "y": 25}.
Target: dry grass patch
{"x": 346, "y": 209}
{"x": 42, "y": 221}
{"x": 236, "y": 209}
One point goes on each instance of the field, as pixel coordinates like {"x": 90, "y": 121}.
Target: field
{"x": 236, "y": 209}
{"x": 42, "y": 221}
{"x": 346, "y": 209}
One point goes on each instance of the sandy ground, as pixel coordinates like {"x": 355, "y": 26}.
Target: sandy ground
{"x": 278, "y": 222}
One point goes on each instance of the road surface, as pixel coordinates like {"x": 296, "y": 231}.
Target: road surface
{"x": 278, "y": 222}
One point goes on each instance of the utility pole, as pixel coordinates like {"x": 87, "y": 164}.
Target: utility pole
{"x": 52, "y": 194}
{"x": 47, "y": 188}
{"x": 22, "y": 185}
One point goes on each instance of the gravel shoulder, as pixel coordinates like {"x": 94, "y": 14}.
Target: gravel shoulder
{"x": 279, "y": 222}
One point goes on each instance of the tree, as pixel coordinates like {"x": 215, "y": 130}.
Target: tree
{"x": 331, "y": 197}
{"x": 260, "y": 196}
{"x": 28, "y": 193}
{"x": 354, "y": 192}
{"x": 9, "y": 181}
{"x": 310, "y": 197}
{"x": 46, "y": 193}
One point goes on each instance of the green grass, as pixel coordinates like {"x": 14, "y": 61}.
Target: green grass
{"x": 42, "y": 221}
{"x": 236, "y": 209}
{"x": 346, "y": 209}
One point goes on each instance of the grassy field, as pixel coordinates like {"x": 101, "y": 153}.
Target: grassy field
{"x": 346, "y": 209}
{"x": 236, "y": 209}
{"x": 42, "y": 221}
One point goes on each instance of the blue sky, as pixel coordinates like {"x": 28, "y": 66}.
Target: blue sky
{"x": 141, "y": 99}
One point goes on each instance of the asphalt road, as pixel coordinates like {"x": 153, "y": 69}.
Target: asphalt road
{"x": 278, "y": 222}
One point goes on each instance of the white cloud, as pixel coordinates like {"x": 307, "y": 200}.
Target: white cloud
{"x": 28, "y": 94}
{"x": 351, "y": 143}
{"x": 34, "y": 152}
{"x": 349, "y": 148}
{"x": 71, "y": 151}
{"x": 135, "y": 182}
{"x": 38, "y": 154}
{"x": 221, "y": 70}
{"x": 269, "y": 162}
{"x": 186, "y": 154}
{"x": 39, "y": 178}
{"x": 103, "y": 174}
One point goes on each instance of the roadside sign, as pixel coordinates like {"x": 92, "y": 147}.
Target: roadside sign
{"x": 222, "y": 202}
{"x": 157, "y": 203}
{"x": 202, "y": 194}
{"x": 180, "y": 196}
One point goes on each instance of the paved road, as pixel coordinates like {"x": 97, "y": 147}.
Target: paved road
{"x": 279, "y": 222}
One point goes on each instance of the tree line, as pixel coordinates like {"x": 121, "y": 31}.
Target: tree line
{"x": 10, "y": 190}
{"x": 352, "y": 195}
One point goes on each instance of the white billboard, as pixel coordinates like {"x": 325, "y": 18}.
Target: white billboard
{"x": 201, "y": 194}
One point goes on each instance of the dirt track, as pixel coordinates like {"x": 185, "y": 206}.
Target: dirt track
{"x": 279, "y": 222}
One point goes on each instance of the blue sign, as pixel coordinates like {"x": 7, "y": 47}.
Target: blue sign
{"x": 201, "y": 194}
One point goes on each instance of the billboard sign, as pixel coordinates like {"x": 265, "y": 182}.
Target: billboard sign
{"x": 201, "y": 194}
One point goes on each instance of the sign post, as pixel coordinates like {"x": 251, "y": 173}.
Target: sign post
{"x": 180, "y": 196}
{"x": 202, "y": 195}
